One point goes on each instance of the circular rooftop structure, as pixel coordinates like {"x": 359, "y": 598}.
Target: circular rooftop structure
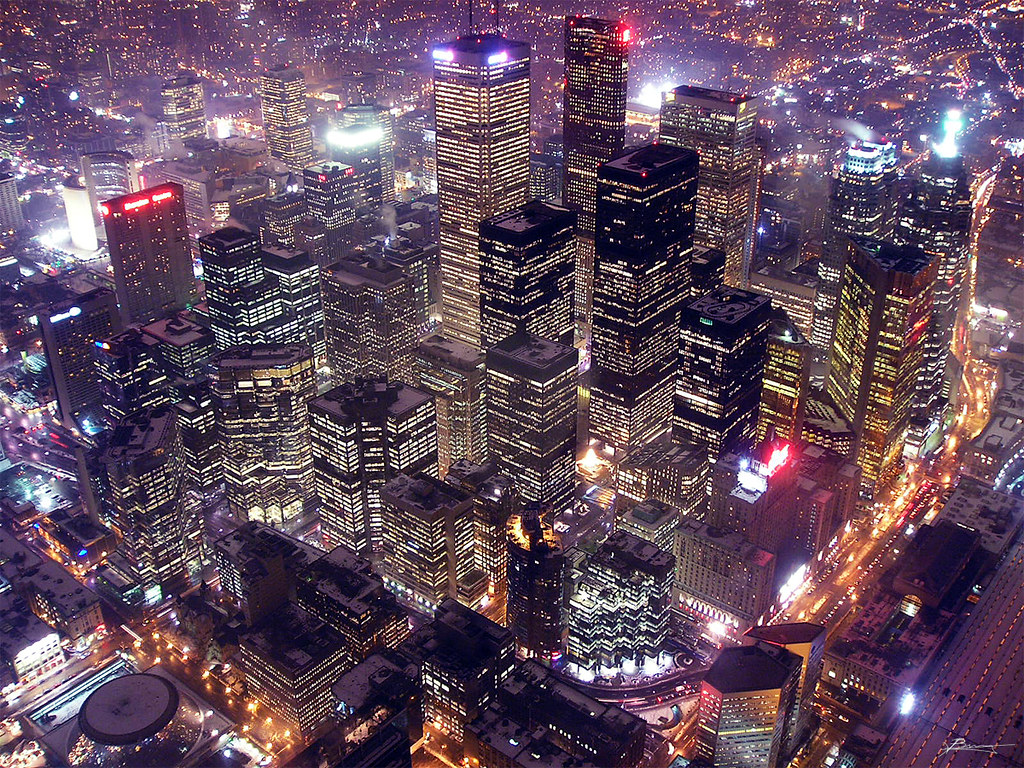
{"x": 128, "y": 709}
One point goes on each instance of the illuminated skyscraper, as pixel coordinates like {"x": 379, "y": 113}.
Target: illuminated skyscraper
{"x": 184, "y": 107}
{"x": 721, "y": 127}
{"x": 365, "y": 433}
{"x": 527, "y": 257}
{"x": 365, "y": 139}
{"x": 531, "y": 417}
{"x": 10, "y": 207}
{"x": 130, "y": 373}
{"x": 280, "y": 215}
{"x": 107, "y": 175}
{"x": 861, "y": 204}
{"x": 286, "y": 116}
{"x": 482, "y": 114}
{"x": 786, "y": 382}
{"x": 535, "y": 566}
{"x": 149, "y": 252}
{"x": 645, "y": 210}
{"x": 593, "y": 128}
{"x": 885, "y": 307}
{"x": 332, "y": 194}
{"x": 297, "y": 287}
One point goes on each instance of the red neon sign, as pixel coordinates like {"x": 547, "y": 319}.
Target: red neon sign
{"x": 133, "y": 204}
{"x": 778, "y": 459}
{"x": 162, "y": 196}
{"x": 350, "y": 171}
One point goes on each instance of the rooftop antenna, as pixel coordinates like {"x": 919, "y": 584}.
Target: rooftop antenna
{"x": 496, "y": 10}
{"x": 472, "y": 30}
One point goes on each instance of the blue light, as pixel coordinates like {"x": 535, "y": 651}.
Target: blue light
{"x": 83, "y": 552}
{"x": 443, "y": 54}
{"x": 497, "y": 58}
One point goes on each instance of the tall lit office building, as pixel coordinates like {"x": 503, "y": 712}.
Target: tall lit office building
{"x": 359, "y": 147}
{"x": 280, "y": 215}
{"x": 108, "y": 175}
{"x": 10, "y": 208}
{"x": 482, "y": 115}
{"x": 149, "y": 252}
{"x": 158, "y": 528}
{"x": 332, "y": 192}
{"x": 370, "y": 318}
{"x": 375, "y": 120}
{"x": 286, "y": 116}
{"x": 860, "y": 203}
{"x": 130, "y": 373}
{"x": 722, "y": 351}
{"x": 184, "y": 107}
{"x": 536, "y": 563}
{"x": 885, "y": 306}
{"x": 197, "y": 423}
{"x": 721, "y": 127}
{"x": 531, "y": 417}
{"x": 365, "y": 433}
{"x": 645, "y": 213}
{"x": 261, "y": 395}
{"x": 455, "y": 374}
{"x": 593, "y": 128}
{"x": 787, "y": 373}
{"x": 527, "y": 257}
{"x": 296, "y": 279}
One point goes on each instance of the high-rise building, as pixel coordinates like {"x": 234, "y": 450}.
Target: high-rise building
{"x": 653, "y": 521}
{"x": 10, "y": 207}
{"x": 280, "y": 215}
{"x": 149, "y": 252}
{"x": 297, "y": 285}
{"x": 482, "y": 114}
{"x": 707, "y": 270}
{"x": 286, "y": 116}
{"x": 720, "y": 127}
{"x": 593, "y": 128}
{"x": 365, "y": 433}
{"x": 377, "y": 124}
{"x": 673, "y": 473}
{"x": 108, "y": 175}
{"x": 359, "y": 147}
{"x": 860, "y": 203}
{"x": 70, "y": 329}
{"x": 130, "y": 374}
{"x": 786, "y": 387}
{"x": 527, "y": 259}
{"x": 261, "y": 395}
{"x": 332, "y": 195}
{"x": 885, "y": 306}
{"x": 545, "y": 178}
{"x": 619, "y": 603}
{"x": 535, "y": 567}
{"x": 158, "y": 526}
{"x": 369, "y": 311}
{"x": 645, "y": 209}
{"x": 746, "y": 704}
{"x": 531, "y": 417}
{"x": 184, "y": 107}
{"x": 722, "y": 350}
{"x": 197, "y": 424}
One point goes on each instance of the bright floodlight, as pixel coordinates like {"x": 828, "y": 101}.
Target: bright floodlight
{"x": 951, "y": 126}
{"x": 907, "y": 703}
{"x": 353, "y": 139}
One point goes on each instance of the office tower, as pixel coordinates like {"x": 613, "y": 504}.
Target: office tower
{"x": 860, "y": 203}
{"x": 707, "y": 271}
{"x": 242, "y": 300}
{"x": 746, "y": 701}
{"x": 673, "y": 473}
{"x": 619, "y": 603}
{"x": 365, "y": 433}
{"x": 296, "y": 279}
{"x": 593, "y": 128}
{"x": 722, "y": 577}
{"x": 645, "y": 208}
{"x": 280, "y": 215}
{"x": 545, "y": 179}
{"x": 261, "y": 394}
{"x": 130, "y": 374}
{"x": 149, "y": 252}
{"x": 370, "y": 318}
{"x": 720, "y": 127}
{"x": 531, "y": 417}
{"x": 311, "y": 237}
{"x": 793, "y": 291}
{"x": 182, "y": 347}
{"x": 455, "y": 374}
{"x": 787, "y": 372}
{"x": 290, "y": 661}
{"x": 342, "y": 589}
{"x": 419, "y": 259}
{"x": 808, "y": 642}
{"x": 428, "y": 543}
{"x": 10, "y": 208}
{"x": 70, "y": 329}
{"x": 80, "y": 216}
{"x": 286, "y": 117}
{"x": 526, "y": 273}
{"x": 108, "y": 175}
{"x": 536, "y": 564}
{"x": 184, "y": 107}
{"x": 376, "y": 121}
{"x": 358, "y": 147}
{"x": 722, "y": 350}
{"x": 159, "y": 529}
{"x": 653, "y": 521}
{"x": 197, "y": 424}
{"x": 482, "y": 114}
{"x": 332, "y": 193}
{"x": 885, "y": 305}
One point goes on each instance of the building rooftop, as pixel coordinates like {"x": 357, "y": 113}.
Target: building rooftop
{"x": 255, "y": 541}
{"x": 728, "y": 307}
{"x": 263, "y": 356}
{"x": 649, "y": 161}
{"x": 294, "y": 641}
{"x": 361, "y": 270}
{"x": 527, "y": 223}
{"x": 623, "y": 551}
{"x": 731, "y": 541}
{"x": 488, "y": 44}
{"x": 227, "y": 238}
{"x": 450, "y": 351}
{"x": 141, "y": 436}
{"x": 684, "y": 456}
{"x": 996, "y": 516}
{"x": 461, "y": 639}
{"x": 751, "y": 668}
{"x": 707, "y": 94}
{"x": 347, "y": 579}
{"x": 794, "y": 633}
{"x": 177, "y": 331}
{"x": 652, "y": 512}
{"x": 521, "y": 747}
{"x": 907, "y": 259}
{"x": 531, "y": 355}
{"x": 424, "y": 495}
{"x": 377, "y": 681}
{"x": 363, "y": 398}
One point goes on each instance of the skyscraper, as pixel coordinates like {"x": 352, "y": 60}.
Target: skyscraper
{"x": 149, "y": 252}
{"x": 482, "y": 114}
{"x": 286, "y": 116}
{"x": 261, "y": 395}
{"x": 534, "y": 598}
{"x": 108, "y": 175}
{"x": 593, "y": 128}
{"x": 722, "y": 350}
{"x": 720, "y": 127}
{"x": 860, "y": 203}
{"x": 297, "y": 286}
{"x": 365, "y": 433}
{"x": 527, "y": 257}
{"x": 376, "y": 121}
{"x": 645, "y": 209}
{"x": 280, "y": 215}
{"x": 10, "y": 207}
{"x": 885, "y": 306}
{"x": 787, "y": 385}
{"x": 332, "y": 193}
{"x": 184, "y": 107}
{"x": 130, "y": 374}
{"x": 531, "y": 417}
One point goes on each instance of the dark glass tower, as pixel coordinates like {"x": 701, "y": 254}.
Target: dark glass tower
{"x": 535, "y": 566}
